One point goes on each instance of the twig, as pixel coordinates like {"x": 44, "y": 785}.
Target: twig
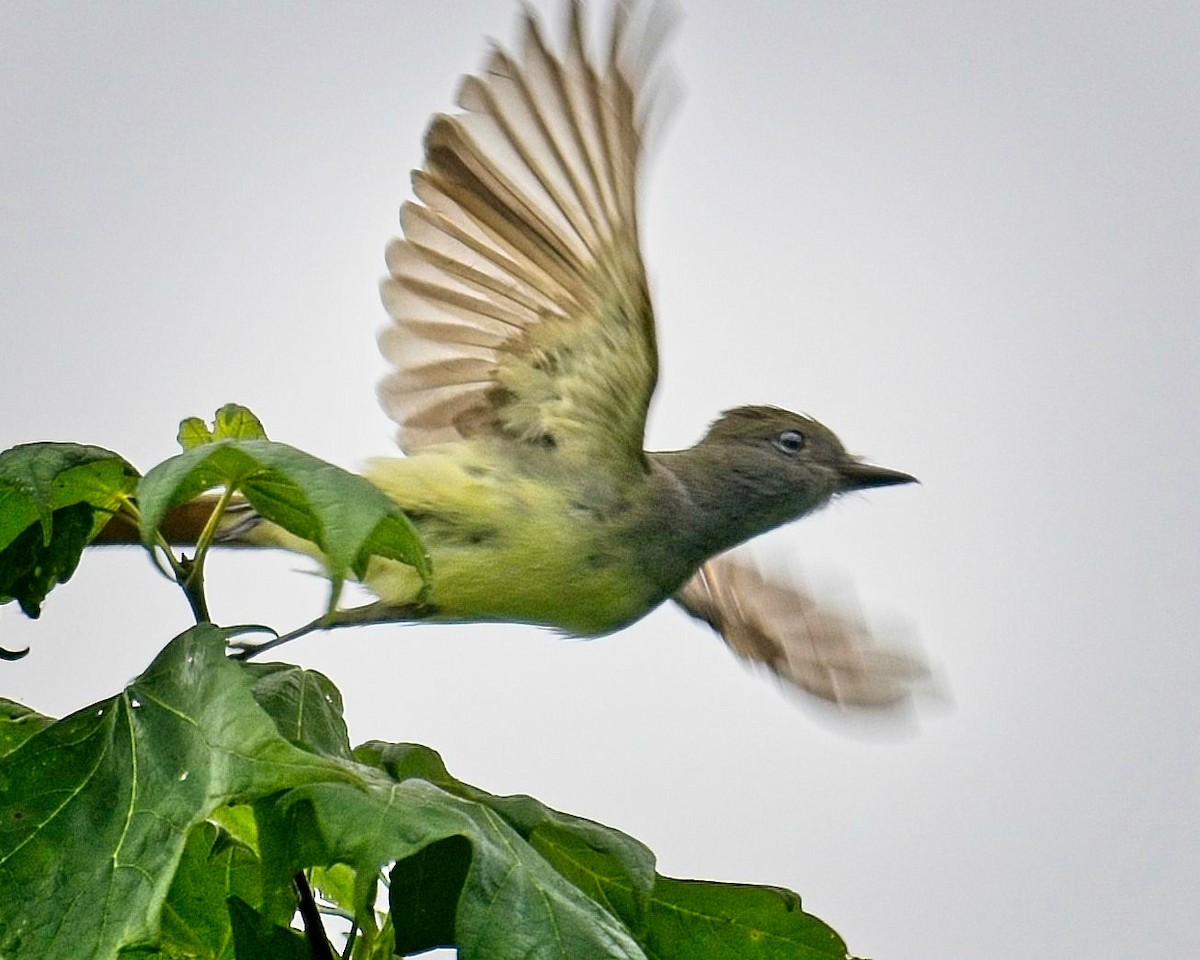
{"x": 377, "y": 612}
{"x": 314, "y": 929}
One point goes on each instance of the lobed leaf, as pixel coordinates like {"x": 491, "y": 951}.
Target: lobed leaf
{"x": 33, "y": 565}
{"x": 524, "y": 814}
{"x": 667, "y": 917}
{"x": 343, "y": 514}
{"x": 256, "y": 936}
{"x": 232, "y": 421}
{"x": 168, "y": 822}
{"x": 54, "y": 498}
{"x": 38, "y": 478}
{"x": 691, "y": 918}
{"x": 512, "y": 903}
{"x": 17, "y": 724}
{"x": 687, "y": 918}
{"x": 424, "y": 892}
{"x": 195, "y": 915}
{"x": 305, "y": 706}
{"x": 95, "y": 809}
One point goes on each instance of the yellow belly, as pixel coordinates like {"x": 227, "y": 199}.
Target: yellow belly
{"x": 507, "y": 546}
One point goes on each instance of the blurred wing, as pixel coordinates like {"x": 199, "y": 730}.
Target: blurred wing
{"x": 827, "y": 652}
{"x": 518, "y": 297}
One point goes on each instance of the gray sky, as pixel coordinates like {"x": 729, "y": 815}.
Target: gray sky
{"x": 963, "y": 236}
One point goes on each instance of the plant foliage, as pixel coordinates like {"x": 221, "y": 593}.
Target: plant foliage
{"x": 191, "y": 814}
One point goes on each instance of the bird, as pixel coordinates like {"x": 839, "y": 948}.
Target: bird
{"x": 521, "y": 340}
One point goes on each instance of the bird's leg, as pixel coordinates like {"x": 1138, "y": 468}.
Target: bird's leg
{"x": 377, "y": 612}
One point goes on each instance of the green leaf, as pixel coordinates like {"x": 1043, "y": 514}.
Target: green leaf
{"x": 694, "y": 918}
{"x": 192, "y": 432}
{"x": 195, "y": 916}
{"x": 54, "y": 498}
{"x": 32, "y": 564}
{"x": 527, "y": 816}
{"x": 424, "y": 894}
{"x": 336, "y": 885}
{"x": 169, "y": 821}
{"x": 597, "y": 873}
{"x": 17, "y": 724}
{"x": 305, "y": 705}
{"x": 231, "y": 422}
{"x": 353, "y": 517}
{"x": 688, "y": 918}
{"x": 235, "y": 827}
{"x": 96, "y": 808}
{"x": 407, "y": 761}
{"x": 257, "y": 938}
{"x": 187, "y": 475}
{"x": 668, "y": 917}
{"x": 512, "y": 903}
{"x": 343, "y": 514}
{"x": 38, "y": 478}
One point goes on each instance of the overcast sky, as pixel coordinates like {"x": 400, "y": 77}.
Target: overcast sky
{"x": 965, "y": 236}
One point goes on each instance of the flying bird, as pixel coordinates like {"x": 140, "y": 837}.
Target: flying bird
{"x": 523, "y": 354}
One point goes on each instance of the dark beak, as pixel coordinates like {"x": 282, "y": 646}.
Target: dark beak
{"x": 857, "y": 475}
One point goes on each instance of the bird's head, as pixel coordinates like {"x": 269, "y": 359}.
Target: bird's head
{"x": 785, "y": 465}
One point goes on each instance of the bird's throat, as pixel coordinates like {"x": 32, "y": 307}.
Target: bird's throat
{"x": 702, "y": 506}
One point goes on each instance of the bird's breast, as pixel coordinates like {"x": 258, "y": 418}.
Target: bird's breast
{"x": 507, "y": 544}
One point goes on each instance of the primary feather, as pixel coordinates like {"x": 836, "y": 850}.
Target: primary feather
{"x": 523, "y": 351}
{"x": 518, "y": 298}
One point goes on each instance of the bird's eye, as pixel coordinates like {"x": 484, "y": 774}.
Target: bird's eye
{"x": 790, "y": 441}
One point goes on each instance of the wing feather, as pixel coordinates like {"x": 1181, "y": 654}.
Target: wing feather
{"x": 517, "y": 294}
{"x": 430, "y": 230}
{"x": 827, "y": 652}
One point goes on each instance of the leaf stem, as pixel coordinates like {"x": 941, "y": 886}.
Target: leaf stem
{"x": 192, "y": 579}
{"x": 204, "y": 541}
{"x": 351, "y": 936}
{"x": 193, "y": 588}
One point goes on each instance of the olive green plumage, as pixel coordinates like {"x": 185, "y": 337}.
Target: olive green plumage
{"x": 524, "y": 360}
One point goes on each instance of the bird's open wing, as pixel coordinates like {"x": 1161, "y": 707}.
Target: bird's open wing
{"x": 517, "y": 294}
{"x": 829, "y": 653}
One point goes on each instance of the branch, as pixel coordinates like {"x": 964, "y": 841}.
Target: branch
{"x": 377, "y": 612}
